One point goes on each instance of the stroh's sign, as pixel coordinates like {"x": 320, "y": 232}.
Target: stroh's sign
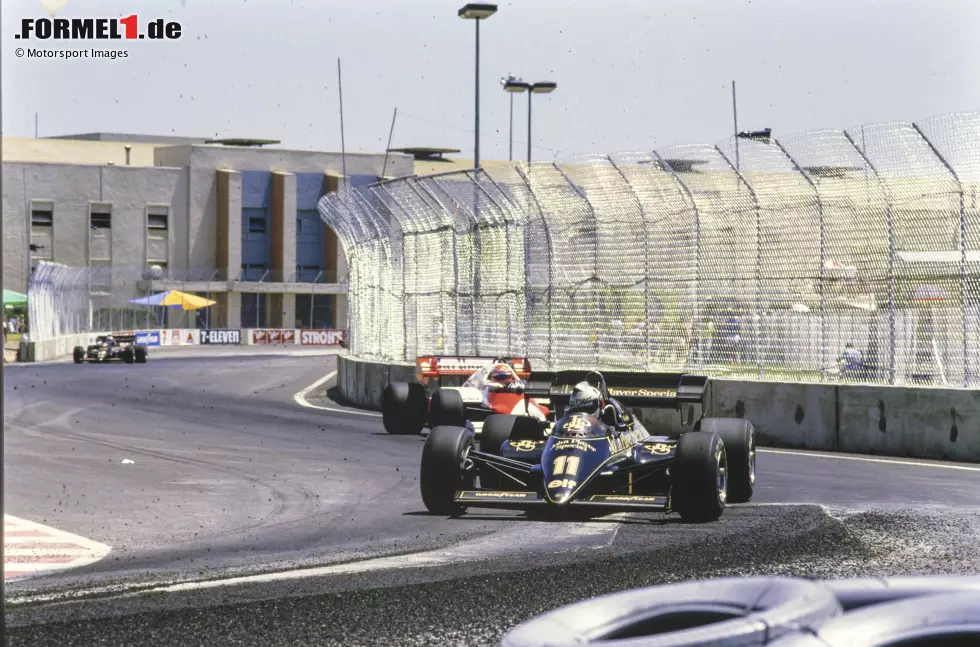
{"x": 321, "y": 337}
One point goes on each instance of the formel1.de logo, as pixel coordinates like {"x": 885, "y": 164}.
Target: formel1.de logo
{"x": 129, "y": 28}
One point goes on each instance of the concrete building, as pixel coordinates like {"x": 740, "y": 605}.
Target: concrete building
{"x": 235, "y": 223}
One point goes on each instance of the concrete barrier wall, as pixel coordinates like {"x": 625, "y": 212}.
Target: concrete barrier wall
{"x": 785, "y": 414}
{"x": 42, "y": 351}
{"x": 895, "y": 421}
{"x": 929, "y": 423}
{"x": 362, "y": 382}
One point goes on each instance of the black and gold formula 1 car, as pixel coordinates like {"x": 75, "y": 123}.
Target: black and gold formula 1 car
{"x": 111, "y": 347}
{"x": 596, "y": 456}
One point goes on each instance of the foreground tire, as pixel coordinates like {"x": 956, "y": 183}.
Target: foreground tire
{"x": 78, "y": 354}
{"x": 739, "y": 438}
{"x": 140, "y": 355}
{"x": 947, "y": 619}
{"x": 129, "y": 355}
{"x": 442, "y": 473}
{"x": 403, "y": 408}
{"x": 700, "y": 477}
{"x": 731, "y": 611}
{"x": 446, "y": 409}
{"x": 497, "y": 429}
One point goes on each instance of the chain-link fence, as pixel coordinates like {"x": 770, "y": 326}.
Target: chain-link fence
{"x": 849, "y": 254}
{"x": 65, "y": 300}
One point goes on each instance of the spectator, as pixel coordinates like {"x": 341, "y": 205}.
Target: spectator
{"x": 851, "y": 358}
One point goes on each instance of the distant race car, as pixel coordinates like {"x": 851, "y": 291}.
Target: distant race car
{"x": 493, "y": 385}
{"x": 109, "y": 347}
{"x": 593, "y": 453}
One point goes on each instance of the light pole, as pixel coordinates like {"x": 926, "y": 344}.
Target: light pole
{"x": 477, "y": 11}
{"x": 541, "y": 87}
{"x": 510, "y": 78}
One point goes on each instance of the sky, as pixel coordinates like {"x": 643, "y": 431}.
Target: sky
{"x": 631, "y": 74}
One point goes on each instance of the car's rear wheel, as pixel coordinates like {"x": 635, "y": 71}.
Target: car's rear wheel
{"x": 129, "y": 355}
{"x": 445, "y": 469}
{"x": 739, "y": 438}
{"x": 699, "y": 476}
{"x": 403, "y": 408}
{"x": 78, "y": 354}
{"x": 140, "y": 354}
{"x": 446, "y": 409}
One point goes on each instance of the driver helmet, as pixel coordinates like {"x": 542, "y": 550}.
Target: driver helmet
{"x": 585, "y": 398}
{"x": 502, "y": 373}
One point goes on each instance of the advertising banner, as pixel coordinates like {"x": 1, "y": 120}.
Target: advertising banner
{"x": 267, "y": 336}
{"x": 321, "y": 337}
{"x": 182, "y": 336}
{"x": 222, "y": 336}
{"x": 148, "y": 337}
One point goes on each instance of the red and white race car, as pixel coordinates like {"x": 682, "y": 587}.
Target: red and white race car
{"x": 493, "y": 385}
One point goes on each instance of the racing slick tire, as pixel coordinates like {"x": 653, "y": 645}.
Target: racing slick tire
{"x": 498, "y": 428}
{"x": 739, "y": 438}
{"x": 726, "y": 611}
{"x": 403, "y": 408}
{"x": 129, "y": 355}
{"x": 496, "y": 431}
{"x": 444, "y": 455}
{"x": 140, "y": 354}
{"x": 700, "y": 477}
{"x": 446, "y": 409}
{"x": 78, "y": 354}
{"x": 943, "y": 619}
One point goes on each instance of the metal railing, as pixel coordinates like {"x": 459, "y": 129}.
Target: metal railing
{"x": 831, "y": 255}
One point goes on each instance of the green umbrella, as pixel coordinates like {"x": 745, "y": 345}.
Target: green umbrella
{"x": 13, "y": 298}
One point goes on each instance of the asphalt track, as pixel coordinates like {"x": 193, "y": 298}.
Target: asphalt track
{"x": 230, "y": 477}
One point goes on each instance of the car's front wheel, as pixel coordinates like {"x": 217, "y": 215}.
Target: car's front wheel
{"x": 496, "y": 431}
{"x": 446, "y": 468}
{"x": 78, "y": 354}
{"x": 699, "y": 477}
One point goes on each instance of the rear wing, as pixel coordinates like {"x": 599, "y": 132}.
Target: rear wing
{"x": 430, "y": 366}
{"x": 653, "y": 390}
{"x": 122, "y": 339}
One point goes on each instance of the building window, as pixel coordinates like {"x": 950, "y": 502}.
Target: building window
{"x": 307, "y": 273}
{"x": 42, "y": 218}
{"x": 42, "y": 227}
{"x": 101, "y": 220}
{"x": 253, "y": 271}
{"x": 156, "y": 217}
{"x": 256, "y": 225}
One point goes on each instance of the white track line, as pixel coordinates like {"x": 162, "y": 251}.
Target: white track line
{"x": 300, "y": 399}
{"x": 868, "y": 459}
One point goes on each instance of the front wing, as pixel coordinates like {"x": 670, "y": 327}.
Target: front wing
{"x": 507, "y": 500}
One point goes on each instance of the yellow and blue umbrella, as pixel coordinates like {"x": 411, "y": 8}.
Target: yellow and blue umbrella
{"x": 174, "y": 299}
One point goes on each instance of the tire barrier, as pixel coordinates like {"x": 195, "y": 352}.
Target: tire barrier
{"x": 723, "y": 612}
{"x": 771, "y": 611}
